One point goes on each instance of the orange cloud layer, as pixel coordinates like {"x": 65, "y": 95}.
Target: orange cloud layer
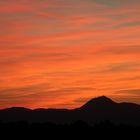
{"x": 62, "y": 53}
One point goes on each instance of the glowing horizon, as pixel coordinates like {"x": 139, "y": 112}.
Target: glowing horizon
{"x": 61, "y": 53}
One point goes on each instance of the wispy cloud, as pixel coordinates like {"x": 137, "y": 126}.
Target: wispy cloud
{"x": 77, "y": 46}
{"x": 132, "y": 92}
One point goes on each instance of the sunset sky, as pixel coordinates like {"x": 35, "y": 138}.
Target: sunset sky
{"x": 61, "y": 53}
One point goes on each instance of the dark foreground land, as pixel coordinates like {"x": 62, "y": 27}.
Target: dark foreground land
{"x": 123, "y": 121}
{"x": 78, "y": 130}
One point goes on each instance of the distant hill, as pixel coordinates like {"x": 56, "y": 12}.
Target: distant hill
{"x": 96, "y": 110}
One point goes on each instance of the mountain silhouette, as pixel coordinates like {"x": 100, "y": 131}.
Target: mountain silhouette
{"x": 96, "y": 110}
{"x": 98, "y": 102}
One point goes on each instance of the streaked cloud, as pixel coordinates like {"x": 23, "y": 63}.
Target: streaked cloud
{"x": 129, "y": 91}
{"x": 80, "y": 48}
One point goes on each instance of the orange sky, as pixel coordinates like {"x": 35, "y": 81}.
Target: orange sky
{"x": 61, "y": 53}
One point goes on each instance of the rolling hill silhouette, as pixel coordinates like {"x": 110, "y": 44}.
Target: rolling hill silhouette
{"x": 96, "y": 110}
